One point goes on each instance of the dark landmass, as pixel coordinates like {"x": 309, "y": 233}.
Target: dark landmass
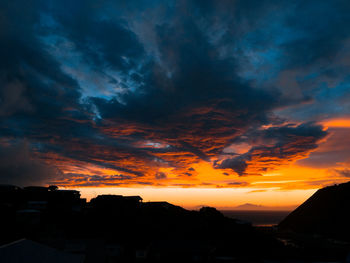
{"x": 46, "y": 224}
{"x": 325, "y": 213}
{"x": 114, "y": 228}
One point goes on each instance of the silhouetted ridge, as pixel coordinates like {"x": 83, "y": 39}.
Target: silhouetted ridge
{"x": 327, "y": 212}
{"x": 152, "y": 231}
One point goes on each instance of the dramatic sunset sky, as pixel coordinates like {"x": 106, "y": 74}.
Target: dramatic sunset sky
{"x": 193, "y": 102}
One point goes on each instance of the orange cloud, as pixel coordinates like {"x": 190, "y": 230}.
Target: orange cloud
{"x": 337, "y": 123}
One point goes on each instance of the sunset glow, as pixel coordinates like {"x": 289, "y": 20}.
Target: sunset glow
{"x": 225, "y": 106}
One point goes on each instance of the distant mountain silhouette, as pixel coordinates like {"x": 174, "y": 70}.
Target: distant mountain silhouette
{"x": 249, "y": 206}
{"x": 325, "y": 213}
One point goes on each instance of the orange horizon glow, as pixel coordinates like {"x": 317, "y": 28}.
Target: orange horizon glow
{"x": 285, "y": 188}
{"x": 222, "y": 199}
{"x": 285, "y": 182}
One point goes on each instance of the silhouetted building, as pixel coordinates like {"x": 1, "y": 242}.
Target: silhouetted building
{"x": 28, "y": 217}
{"x": 116, "y": 228}
{"x": 115, "y": 201}
{"x": 11, "y": 196}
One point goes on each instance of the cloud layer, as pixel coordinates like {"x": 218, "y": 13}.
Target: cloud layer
{"x": 127, "y": 93}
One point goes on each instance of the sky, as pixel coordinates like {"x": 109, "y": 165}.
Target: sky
{"x": 196, "y": 102}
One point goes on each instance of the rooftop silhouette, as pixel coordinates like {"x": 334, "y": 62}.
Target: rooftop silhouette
{"x": 120, "y": 228}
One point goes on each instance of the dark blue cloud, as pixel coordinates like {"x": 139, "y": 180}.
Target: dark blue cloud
{"x": 274, "y": 146}
{"x": 92, "y": 82}
{"x": 18, "y": 166}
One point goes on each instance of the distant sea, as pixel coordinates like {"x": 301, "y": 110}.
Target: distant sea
{"x": 257, "y": 218}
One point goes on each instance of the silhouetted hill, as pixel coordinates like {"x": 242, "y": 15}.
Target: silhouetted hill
{"x": 116, "y": 228}
{"x": 326, "y": 213}
{"x": 153, "y": 231}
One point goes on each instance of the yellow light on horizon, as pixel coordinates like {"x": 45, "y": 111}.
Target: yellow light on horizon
{"x": 221, "y": 198}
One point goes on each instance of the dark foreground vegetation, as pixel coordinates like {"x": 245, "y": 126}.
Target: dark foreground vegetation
{"x": 52, "y": 225}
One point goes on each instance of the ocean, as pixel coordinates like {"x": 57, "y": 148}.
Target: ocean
{"x": 257, "y": 218}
